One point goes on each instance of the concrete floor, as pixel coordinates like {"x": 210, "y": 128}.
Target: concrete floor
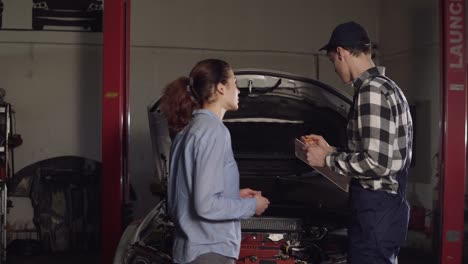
{"x": 65, "y": 258}
{"x": 411, "y": 256}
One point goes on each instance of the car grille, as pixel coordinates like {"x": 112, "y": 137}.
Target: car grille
{"x": 271, "y": 224}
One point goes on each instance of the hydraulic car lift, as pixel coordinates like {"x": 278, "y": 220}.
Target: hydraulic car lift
{"x": 452, "y": 158}
{"x": 115, "y": 122}
{"x": 452, "y": 169}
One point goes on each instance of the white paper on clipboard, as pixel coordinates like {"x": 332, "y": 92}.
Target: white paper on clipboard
{"x": 339, "y": 180}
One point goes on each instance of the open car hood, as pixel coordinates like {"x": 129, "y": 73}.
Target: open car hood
{"x": 274, "y": 109}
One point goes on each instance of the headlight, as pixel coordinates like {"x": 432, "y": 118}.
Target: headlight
{"x": 124, "y": 250}
{"x": 148, "y": 241}
{"x": 94, "y": 7}
{"x": 40, "y": 5}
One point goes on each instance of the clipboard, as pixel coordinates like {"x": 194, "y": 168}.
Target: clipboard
{"x": 339, "y": 180}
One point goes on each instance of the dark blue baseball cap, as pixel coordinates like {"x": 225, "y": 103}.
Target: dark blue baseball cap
{"x": 348, "y": 35}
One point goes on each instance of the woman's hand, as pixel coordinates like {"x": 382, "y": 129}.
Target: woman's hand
{"x": 262, "y": 203}
{"x": 247, "y": 193}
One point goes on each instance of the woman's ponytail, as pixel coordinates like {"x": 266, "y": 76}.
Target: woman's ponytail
{"x": 177, "y": 104}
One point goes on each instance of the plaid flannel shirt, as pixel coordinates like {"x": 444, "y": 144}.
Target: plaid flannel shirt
{"x": 380, "y": 134}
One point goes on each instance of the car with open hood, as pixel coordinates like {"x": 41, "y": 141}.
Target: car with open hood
{"x": 306, "y": 220}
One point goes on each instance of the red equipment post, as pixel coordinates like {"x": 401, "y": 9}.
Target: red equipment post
{"x": 115, "y": 113}
{"x": 453, "y": 128}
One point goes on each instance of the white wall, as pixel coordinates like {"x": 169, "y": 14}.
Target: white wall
{"x": 17, "y": 14}
{"x": 53, "y": 81}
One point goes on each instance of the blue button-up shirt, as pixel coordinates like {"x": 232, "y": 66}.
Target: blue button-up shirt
{"x": 203, "y": 195}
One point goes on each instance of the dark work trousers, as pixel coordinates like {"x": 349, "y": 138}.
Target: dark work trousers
{"x": 379, "y": 223}
{"x": 213, "y": 258}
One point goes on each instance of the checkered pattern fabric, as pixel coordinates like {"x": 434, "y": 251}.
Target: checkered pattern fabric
{"x": 380, "y": 133}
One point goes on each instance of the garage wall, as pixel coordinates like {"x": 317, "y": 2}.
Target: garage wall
{"x": 53, "y": 81}
{"x": 409, "y": 47}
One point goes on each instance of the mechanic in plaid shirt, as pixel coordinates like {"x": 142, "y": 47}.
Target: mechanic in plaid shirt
{"x": 380, "y": 132}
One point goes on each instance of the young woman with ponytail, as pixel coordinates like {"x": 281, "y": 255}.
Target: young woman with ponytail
{"x": 204, "y": 199}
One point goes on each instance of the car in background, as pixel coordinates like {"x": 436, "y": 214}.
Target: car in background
{"x": 78, "y": 13}
{"x": 306, "y": 220}
{"x": 1, "y": 13}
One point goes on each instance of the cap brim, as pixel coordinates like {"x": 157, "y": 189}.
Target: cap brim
{"x": 324, "y": 47}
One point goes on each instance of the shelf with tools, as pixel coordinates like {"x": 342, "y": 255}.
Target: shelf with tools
{"x": 4, "y": 128}
{"x": 5, "y": 171}
{"x": 5, "y": 133}
{"x": 3, "y": 221}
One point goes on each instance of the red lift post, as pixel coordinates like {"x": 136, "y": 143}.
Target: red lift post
{"x": 115, "y": 123}
{"x": 453, "y": 129}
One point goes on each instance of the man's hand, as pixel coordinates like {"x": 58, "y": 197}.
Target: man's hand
{"x": 312, "y": 139}
{"x": 247, "y": 193}
{"x": 317, "y": 149}
{"x": 262, "y": 203}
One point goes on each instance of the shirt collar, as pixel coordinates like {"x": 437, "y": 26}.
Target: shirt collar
{"x": 205, "y": 112}
{"x": 369, "y": 73}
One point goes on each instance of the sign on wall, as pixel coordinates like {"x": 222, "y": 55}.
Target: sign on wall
{"x": 68, "y": 15}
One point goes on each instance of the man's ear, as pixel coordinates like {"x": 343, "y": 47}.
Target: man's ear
{"x": 341, "y": 52}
